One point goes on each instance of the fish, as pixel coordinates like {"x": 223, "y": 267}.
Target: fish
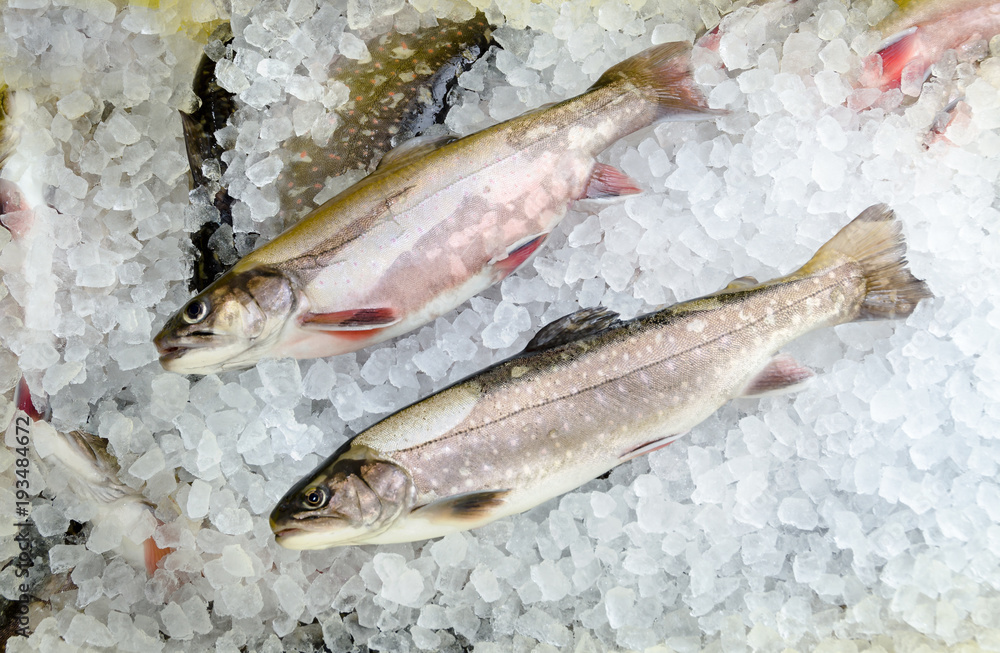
{"x": 16, "y": 215}
{"x": 398, "y": 93}
{"x": 437, "y": 222}
{"x": 589, "y": 392}
{"x": 92, "y": 474}
{"x": 918, "y": 32}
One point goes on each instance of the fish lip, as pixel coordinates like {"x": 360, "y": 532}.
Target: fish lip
{"x": 171, "y": 347}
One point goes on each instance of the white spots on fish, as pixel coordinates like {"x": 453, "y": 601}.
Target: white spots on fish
{"x": 696, "y": 325}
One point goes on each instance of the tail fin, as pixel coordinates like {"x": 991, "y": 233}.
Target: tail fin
{"x": 874, "y": 240}
{"x": 664, "y": 73}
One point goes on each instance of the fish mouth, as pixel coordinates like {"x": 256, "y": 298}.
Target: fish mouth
{"x": 171, "y": 347}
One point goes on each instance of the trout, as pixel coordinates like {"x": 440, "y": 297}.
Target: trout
{"x": 920, "y": 31}
{"x": 436, "y": 223}
{"x": 588, "y": 393}
{"x": 91, "y": 472}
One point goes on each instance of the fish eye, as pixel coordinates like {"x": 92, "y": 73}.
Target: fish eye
{"x": 316, "y": 497}
{"x": 196, "y": 311}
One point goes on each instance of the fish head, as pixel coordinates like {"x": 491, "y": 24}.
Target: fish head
{"x": 349, "y": 501}
{"x": 229, "y": 325}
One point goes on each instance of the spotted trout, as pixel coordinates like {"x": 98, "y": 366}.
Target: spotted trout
{"x": 436, "y": 223}
{"x": 920, "y": 31}
{"x": 589, "y": 392}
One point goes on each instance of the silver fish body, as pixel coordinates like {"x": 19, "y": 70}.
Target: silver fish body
{"x": 588, "y": 393}
{"x": 434, "y": 225}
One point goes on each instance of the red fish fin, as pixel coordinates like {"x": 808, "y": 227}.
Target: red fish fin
{"x": 356, "y": 335}
{"x": 649, "y": 447}
{"x": 608, "y": 181}
{"x": 896, "y": 52}
{"x": 518, "y": 255}
{"x": 359, "y": 319}
{"x": 153, "y": 555}
{"x": 782, "y": 374}
{"x": 710, "y": 40}
{"x": 22, "y": 399}
{"x": 471, "y": 506}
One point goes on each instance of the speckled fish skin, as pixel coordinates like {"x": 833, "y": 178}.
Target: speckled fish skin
{"x": 588, "y": 393}
{"x": 395, "y": 95}
{"x": 427, "y": 230}
{"x": 920, "y": 31}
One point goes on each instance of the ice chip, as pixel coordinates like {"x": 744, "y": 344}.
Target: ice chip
{"x": 198, "y": 499}
{"x": 148, "y": 464}
{"x": 291, "y": 597}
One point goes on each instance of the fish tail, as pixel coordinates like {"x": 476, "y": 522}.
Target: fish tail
{"x": 874, "y": 240}
{"x": 663, "y": 74}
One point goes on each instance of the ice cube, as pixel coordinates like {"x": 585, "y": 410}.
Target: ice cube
{"x": 175, "y": 622}
{"x": 198, "y": 499}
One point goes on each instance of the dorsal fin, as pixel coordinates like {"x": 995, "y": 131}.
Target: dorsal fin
{"x": 412, "y": 150}
{"x": 736, "y": 284}
{"x": 583, "y": 323}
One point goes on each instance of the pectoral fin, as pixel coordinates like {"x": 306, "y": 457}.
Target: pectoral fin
{"x": 782, "y": 374}
{"x": 360, "y": 319}
{"x": 468, "y": 507}
{"x": 896, "y": 52}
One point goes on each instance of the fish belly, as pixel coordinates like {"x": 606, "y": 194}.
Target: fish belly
{"x": 429, "y": 258}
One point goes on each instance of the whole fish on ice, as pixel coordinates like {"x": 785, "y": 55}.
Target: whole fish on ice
{"x": 920, "y": 31}
{"x": 588, "y": 393}
{"x": 433, "y": 225}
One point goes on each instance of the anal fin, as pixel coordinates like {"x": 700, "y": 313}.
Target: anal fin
{"x": 608, "y": 181}
{"x": 468, "y": 507}
{"x": 649, "y": 447}
{"x": 782, "y": 374}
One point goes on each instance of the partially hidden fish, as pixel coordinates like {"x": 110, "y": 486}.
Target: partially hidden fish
{"x": 918, "y": 32}
{"x": 15, "y": 213}
{"x": 589, "y": 392}
{"x": 92, "y": 474}
{"x": 397, "y": 93}
{"x": 436, "y": 223}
